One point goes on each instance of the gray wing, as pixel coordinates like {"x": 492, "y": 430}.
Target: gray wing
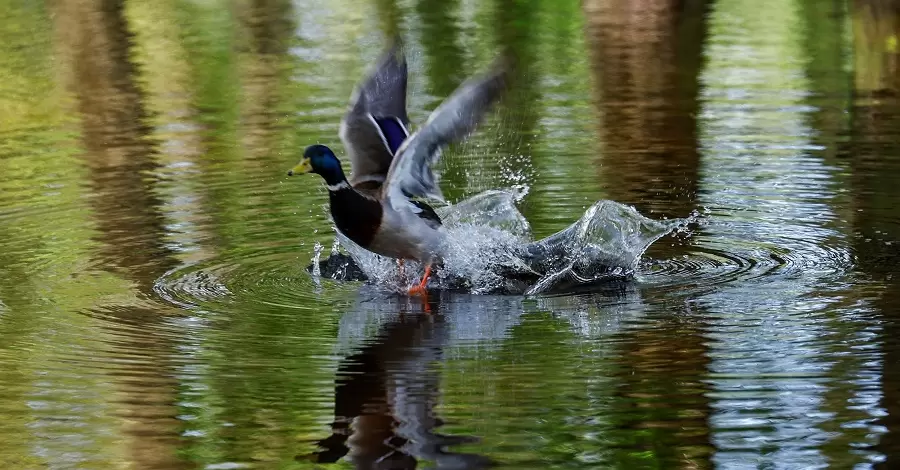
{"x": 410, "y": 174}
{"x": 376, "y": 122}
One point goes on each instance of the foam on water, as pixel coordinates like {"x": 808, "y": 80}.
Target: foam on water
{"x": 489, "y": 249}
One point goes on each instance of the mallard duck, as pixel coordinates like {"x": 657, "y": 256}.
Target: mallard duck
{"x": 375, "y": 208}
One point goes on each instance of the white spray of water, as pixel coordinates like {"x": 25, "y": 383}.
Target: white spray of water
{"x": 317, "y": 256}
{"x": 489, "y": 248}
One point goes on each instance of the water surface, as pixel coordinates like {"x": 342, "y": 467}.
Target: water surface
{"x": 156, "y": 312}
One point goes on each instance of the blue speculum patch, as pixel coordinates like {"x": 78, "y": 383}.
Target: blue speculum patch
{"x": 393, "y": 132}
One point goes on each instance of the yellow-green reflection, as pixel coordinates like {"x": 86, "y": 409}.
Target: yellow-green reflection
{"x": 876, "y": 29}
{"x": 155, "y": 312}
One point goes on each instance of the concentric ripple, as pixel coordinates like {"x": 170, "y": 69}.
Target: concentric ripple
{"x": 273, "y": 277}
{"x": 716, "y": 260}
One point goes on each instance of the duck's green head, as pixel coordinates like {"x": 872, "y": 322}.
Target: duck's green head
{"x": 320, "y": 159}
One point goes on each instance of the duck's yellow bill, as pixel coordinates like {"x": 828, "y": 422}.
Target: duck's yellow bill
{"x": 303, "y": 167}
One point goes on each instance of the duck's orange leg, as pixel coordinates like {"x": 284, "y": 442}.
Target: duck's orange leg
{"x": 420, "y": 287}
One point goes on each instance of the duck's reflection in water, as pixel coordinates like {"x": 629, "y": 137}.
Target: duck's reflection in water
{"x": 385, "y": 397}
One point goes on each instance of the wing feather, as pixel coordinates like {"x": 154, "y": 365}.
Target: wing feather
{"x": 376, "y": 101}
{"x": 410, "y": 174}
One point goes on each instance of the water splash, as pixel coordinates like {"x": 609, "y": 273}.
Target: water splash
{"x": 317, "y": 256}
{"x": 605, "y": 243}
{"x": 489, "y": 249}
{"x": 493, "y": 208}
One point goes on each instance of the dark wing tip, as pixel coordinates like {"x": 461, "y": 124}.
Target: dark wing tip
{"x": 496, "y": 80}
{"x": 505, "y": 60}
{"x": 394, "y": 53}
{"x": 505, "y": 65}
{"x": 394, "y": 44}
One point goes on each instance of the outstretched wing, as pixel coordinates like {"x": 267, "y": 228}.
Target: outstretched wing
{"x": 410, "y": 174}
{"x": 376, "y": 123}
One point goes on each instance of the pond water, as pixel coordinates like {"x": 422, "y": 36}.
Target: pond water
{"x": 156, "y": 311}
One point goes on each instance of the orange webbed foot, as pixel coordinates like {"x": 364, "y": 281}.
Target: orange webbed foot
{"x": 419, "y": 289}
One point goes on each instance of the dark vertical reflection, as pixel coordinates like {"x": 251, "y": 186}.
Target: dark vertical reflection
{"x": 646, "y": 58}
{"x": 385, "y": 396}
{"x": 825, "y": 46}
{"x": 96, "y": 42}
{"x": 117, "y": 150}
{"x": 876, "y": 32}
{"x": 661, "y": 388}
{"x": 266, "y": 69}
{"x": 874, "y": 153}
{"x": 389, "y": 17}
